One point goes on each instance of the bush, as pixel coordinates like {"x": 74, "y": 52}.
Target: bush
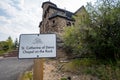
{"x": 94, "y": 68}
{"x": 63, "y": 79}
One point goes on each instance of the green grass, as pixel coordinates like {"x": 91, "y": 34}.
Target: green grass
{"x": 63, "y": 79}
{"x": 94, "y": 68}
{"x": 77, "y": 64}
{"x": 2, "y": 52}
{"x": 27, "y": 76}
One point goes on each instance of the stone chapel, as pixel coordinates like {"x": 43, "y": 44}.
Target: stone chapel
{"x": 54, "y": 20}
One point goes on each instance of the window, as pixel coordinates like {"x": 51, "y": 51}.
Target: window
{"x": 68, "y": 24}
{"x": 73, "y": 24}
{"x": 45, "y": 14}
{"x": 53, "y": 21}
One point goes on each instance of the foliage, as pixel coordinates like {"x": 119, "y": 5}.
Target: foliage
{"x": 78, "y": 65}
{"x": 68, "y": 35}
{"x": 63, "y": 79}
{"x": 98, "y": 34}
{"x": 104, "y": 72}
{"x": 105, "y": 24}
{"x": 28, "y": 75}
{"x": 16, "y": 44}
{"x": 3, "y": 47}
{"x": 9, "y": 42}
{"x": 6, "y": 46}
{"x": 88, "y": 66}
{"x": 75, "y": 37}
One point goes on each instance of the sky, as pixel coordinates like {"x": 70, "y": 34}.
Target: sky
{"x": 23, "y": 16}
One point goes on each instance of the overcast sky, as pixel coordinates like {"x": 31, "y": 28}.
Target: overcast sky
{"x": 23, "y": 16}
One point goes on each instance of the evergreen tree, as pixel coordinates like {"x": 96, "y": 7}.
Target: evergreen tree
{"x": 16, "y": 43}
{"x": 10, "y": 42}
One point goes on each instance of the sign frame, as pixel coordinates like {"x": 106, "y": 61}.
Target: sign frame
{"x": 37, "y": 43}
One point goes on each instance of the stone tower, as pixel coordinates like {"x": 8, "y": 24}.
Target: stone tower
{"x": 54, "y": 19}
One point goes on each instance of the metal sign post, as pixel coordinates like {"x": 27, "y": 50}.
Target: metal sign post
{"x": 37, "y": 47}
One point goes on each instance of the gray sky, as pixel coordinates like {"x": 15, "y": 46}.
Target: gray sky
{"x": 23, "y": 16}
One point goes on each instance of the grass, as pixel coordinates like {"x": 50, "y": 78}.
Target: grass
{"x": 77, "y": 64}
{"x": 94, "y": 68}
{"x": 27, "y": 76}
{"x": 1, "y": 52}
{"x": 63, "y": 79}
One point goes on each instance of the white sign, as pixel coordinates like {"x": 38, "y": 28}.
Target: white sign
{"x": 37, "y": 45}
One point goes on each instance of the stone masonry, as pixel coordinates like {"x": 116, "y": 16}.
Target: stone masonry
{"x": 54, "y": 20}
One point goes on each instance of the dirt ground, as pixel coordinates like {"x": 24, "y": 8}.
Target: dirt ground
{"x": 52, "y": 71}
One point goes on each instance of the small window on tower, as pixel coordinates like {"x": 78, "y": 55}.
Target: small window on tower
{"x": 68, "y": 24}
{"x": 73, "y": 24}
{"x": 45, "y": 14}
{"x": 53, "y": 21}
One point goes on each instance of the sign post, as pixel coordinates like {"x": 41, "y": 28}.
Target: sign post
{"x": 38, "y": 69}
{"x": 37, "y": 47}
